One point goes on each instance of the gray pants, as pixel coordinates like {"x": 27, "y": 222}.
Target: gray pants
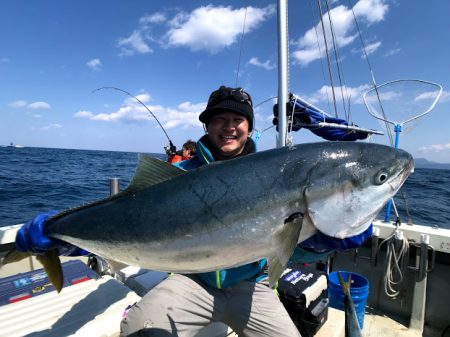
{"x": 181, "y": 306}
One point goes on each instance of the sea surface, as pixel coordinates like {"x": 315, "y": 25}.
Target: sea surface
{"x": 34, "y": 180}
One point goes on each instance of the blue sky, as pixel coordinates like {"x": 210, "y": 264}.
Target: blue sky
{"x": 172, "y": 54}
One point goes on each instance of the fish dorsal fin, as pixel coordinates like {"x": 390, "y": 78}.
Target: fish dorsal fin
{"x": 151, "y": 171}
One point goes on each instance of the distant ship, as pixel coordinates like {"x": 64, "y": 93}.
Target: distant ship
{"x": 14, "y": 145}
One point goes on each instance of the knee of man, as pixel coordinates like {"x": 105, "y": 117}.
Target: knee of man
{"x": 133, "y": 321}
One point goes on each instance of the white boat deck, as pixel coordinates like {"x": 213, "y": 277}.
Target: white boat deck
{"x": 91, "y": 308}
{"x": 95, "y": 308}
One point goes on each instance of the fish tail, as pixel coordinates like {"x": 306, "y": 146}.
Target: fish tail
{"x": 352, "y": 328}
{"x": 14, "y": 255}
{"x": 50, "y": 261}
{"x": 52, "y": 266}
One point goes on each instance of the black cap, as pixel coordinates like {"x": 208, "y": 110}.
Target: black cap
{"x": 231, "y": 99}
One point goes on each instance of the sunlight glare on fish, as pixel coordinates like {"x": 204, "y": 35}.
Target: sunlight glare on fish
{"x": 336, "y": 154}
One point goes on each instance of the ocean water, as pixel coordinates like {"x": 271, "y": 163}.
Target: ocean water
{"x": 34, "y": 180}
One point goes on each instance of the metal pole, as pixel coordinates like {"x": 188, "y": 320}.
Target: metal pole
{"x": 114, "y": 186}
{"x": 282, "y": 71}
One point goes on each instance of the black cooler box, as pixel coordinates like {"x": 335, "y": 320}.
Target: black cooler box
{"x": 303, "y": 292}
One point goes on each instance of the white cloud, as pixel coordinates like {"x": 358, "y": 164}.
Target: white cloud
{"x": 155, "y": 18}
{"x": 385, "y": 96}
{"x": 214, "y": 28}
{"x": 310, "y": 45}
{"x": 84, "y": 114}
{"x": 39, "y": 105}
{"x": 266, "y": 65}
{"x": 136, "y": 43}
{"x": 51, "y": 126}
{"x": 4, "y": 59}
{"x": 430, "y": 95}
{"x": 185, "y": 114}
{"x": 445, "y": 96}
{"x": 94, "y": 64}
{"x": 324, "y": 94}
{"x": 210, "y": 28}
{"x": 371, "y": 48}
{"x": 18, "y": 104}
{"x": 391, "y": 52}
{"x": 371, "y": 10}
{"x": 435, "y": 148}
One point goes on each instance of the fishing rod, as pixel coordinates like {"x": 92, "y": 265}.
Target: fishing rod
{"x": 171, "y": 146}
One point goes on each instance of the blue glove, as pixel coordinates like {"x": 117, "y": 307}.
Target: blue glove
{"x": 31, "y": 238}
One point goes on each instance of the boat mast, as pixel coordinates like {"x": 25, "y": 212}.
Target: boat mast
{"x": 283, "y": 89}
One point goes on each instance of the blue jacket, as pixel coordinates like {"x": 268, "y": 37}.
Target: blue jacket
{"x": 226, "y": 277}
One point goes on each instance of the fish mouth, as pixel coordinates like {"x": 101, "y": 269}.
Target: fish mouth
{"x": 399, "y": 180}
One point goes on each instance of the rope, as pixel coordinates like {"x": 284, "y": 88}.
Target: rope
{"x": 396, "y": 263}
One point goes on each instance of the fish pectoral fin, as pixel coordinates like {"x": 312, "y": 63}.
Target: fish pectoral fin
{"x": 275, "y": 270}
{"x": 151, "y": 171}
{"x": 14, "y": 255}
{"x": 284, "y": 242}
{"x": 52, "y": 266}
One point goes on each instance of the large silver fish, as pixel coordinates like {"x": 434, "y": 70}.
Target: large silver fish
{"x": 234, "y": 212}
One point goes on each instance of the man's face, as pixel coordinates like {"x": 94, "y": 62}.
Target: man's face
{"x": 228, "y": 131}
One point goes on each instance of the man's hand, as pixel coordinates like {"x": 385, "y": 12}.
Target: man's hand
{"x": 31, "y": 237}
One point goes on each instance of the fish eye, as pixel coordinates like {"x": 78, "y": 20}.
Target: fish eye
{"x": 381, "y": 177}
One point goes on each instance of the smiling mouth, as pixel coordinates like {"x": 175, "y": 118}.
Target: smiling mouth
{"x": 228, "y": 138}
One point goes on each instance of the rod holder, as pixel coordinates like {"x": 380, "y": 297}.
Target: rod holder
{"x": 374, "y": 246}
{"x": 114, "y": 186}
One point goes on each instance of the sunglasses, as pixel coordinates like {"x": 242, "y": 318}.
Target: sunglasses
{"x": 238, "y": 95}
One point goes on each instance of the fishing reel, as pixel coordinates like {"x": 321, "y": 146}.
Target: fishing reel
{"x": 170, "y": 149}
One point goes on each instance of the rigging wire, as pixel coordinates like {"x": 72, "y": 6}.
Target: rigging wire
{"x": 241, "y": 46}
{"x": 328, "y": 58}
{"x": 374, "y": 83}
{"x": 266, "y": 100}
{"x": 405, "y": 199}
{"x": 338, "y": 62}
{"x": 137, "y": 99}
{"x": 321, "y": 55}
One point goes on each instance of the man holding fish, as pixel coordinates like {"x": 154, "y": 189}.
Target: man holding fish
{"x": 230, "y": 229}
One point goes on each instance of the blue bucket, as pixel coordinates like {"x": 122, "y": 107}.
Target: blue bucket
{"x": 359, "y": 291}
